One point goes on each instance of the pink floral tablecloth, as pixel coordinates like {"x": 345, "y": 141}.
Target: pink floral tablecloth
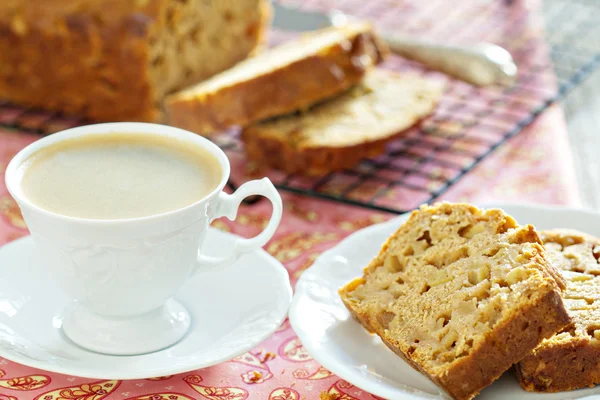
{"x": 534, "y": 166}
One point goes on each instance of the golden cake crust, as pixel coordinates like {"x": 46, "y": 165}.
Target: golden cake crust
{"x": 461, "y": 294}
{"x": 322, "y": 72}
{"x": 569, "y": 359}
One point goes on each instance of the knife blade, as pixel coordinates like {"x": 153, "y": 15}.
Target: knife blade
{"x": 290, "y": 18}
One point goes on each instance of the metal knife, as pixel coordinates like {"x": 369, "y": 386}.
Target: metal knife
{"x": 481, "y": 64}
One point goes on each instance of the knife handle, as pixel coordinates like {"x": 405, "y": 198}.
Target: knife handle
{"x": 481, "y": 64}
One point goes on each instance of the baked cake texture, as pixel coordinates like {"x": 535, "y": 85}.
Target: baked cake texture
{"x": 291, "y": 76}
{"x": 112, "y": 60}
{"x": 338, "y": 133}
{"x": 461, "y": 294}
{"x": 570, "y": 359}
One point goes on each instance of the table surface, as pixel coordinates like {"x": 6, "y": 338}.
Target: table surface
{"x": 280, "y": 368}
{"x": 582, "y": 112}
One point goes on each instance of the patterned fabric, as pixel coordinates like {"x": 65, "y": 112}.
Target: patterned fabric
{"x": 535, "y": 166}
{"x": 280, "y": 368}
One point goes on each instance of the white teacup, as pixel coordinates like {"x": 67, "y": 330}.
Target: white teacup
{"x": 123, "y": 273}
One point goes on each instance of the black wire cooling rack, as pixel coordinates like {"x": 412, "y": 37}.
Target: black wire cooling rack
{"x": 470, "y": 122}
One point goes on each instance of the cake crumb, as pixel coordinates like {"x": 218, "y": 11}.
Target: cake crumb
{"x": 255, "y": 376}
{"x": 268, "y": 357}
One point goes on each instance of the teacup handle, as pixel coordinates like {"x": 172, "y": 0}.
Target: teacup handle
{"x": 228, "y": 205}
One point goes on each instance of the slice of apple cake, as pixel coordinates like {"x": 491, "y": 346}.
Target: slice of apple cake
{"x": 461, "y": 294}
{"x": 570, "y": 359}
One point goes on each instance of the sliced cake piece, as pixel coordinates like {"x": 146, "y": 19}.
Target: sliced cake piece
{"x": 570, "y": 359}
{"x": 461, "y": 294}
{"x": 338, "y": 133}
{"x": 286, "y": 78}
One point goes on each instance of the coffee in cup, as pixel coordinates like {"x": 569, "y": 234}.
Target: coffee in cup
{"x": 118, "y": 175}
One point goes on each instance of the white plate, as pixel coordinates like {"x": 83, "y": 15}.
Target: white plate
{"x": 344, "y": 347}
{"x": 233, "y": 309}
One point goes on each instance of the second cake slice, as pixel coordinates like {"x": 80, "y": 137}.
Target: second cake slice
{"x": 570, "y": 359}
{"x": 461, "y": 294}
{"x": 338, "y": 133}
{"x": 283, "y": 79}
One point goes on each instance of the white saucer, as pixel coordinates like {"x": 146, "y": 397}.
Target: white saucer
{"x": 344, "y": 347}
{"x": 232, "y": 310}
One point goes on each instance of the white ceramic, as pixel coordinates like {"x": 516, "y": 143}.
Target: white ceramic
{"x": 233, "y": 309}
{"x": 123, "y": 273}
{"x": 342, "y": 346}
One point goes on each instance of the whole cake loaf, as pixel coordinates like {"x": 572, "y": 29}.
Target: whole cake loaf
{"x": 114, "y": 60}
{"x": 570, "y": 359}
{"x": 286, "y": 78}
{"x": 461, "y": 294}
